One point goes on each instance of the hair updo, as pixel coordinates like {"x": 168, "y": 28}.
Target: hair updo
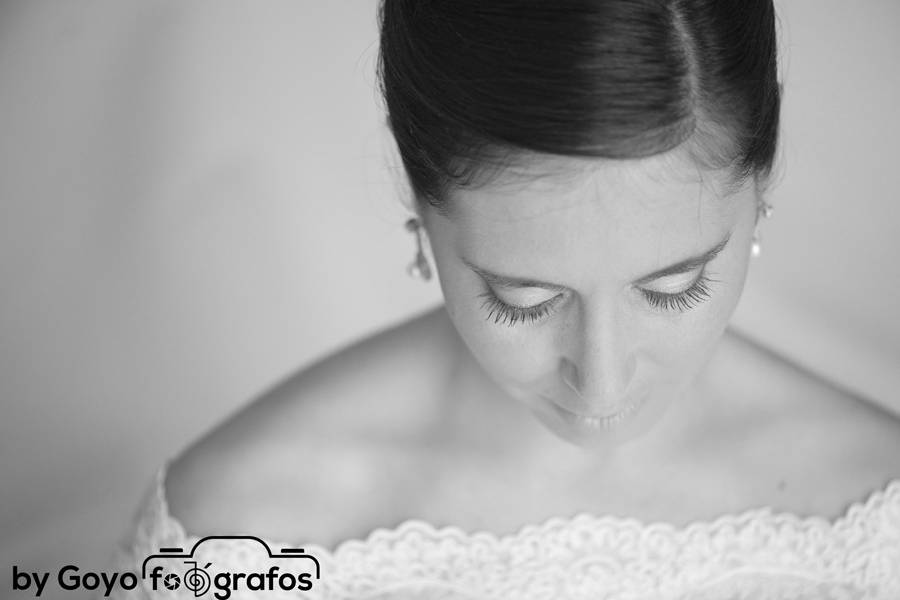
{"x": 473, "y": 85}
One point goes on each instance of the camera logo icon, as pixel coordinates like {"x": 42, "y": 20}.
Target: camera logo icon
{"x": 199, "y": 576}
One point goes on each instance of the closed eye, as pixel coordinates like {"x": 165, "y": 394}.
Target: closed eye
{"x": 699, "y": 291}
{"x": 504, "y": 313}
{"x": 673, "y": 288}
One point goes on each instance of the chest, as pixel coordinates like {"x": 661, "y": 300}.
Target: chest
{"x": 502, "y": 494}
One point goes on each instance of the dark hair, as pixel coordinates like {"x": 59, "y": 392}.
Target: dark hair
{"x": 471, "y": 84}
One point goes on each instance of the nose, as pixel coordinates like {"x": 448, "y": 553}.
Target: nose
{"x": 599, "y": 365}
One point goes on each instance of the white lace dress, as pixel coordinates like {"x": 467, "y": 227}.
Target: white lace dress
{"x": 758, "y": 554}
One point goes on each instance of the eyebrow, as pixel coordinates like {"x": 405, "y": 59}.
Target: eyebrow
{"x": 513, "y": 282}
{"x": 684, "y": 266}
{"x": 687, "y": 265}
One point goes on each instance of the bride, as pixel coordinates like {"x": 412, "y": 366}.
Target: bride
{"x": 577, "y": 420}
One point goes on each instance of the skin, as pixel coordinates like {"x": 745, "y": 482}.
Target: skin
{"x": 470, "y": 435}
{"x": 598, "y": 230}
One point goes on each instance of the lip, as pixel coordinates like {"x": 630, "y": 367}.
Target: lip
{"x": 595, "y": 423}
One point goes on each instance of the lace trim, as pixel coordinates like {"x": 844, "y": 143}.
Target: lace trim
{"x": 857, "y": 552}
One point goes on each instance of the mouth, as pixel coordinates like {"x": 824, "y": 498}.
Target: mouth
{"x": 594, "y": 423}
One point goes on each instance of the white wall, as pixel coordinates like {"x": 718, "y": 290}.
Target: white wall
{"x": 826, "y": 291}
{"x": 196, "y": 200}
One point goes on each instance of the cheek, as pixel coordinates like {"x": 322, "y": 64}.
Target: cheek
{"x": 512, "y": 356}
{"x": 687, "y": 342}
{"x": 518, "y": 357}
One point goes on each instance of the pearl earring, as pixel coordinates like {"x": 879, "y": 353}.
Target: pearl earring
{"x": 419, "y": 267}
{"x": 764, "y": 210}
{"x": 754, "y": 245}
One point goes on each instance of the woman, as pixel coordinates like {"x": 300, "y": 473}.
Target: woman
{"x": 590, "y": 179}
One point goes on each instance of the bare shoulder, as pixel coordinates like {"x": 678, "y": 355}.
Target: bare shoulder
{"x": 822, "y": 443}
{"x": 297, "y": 463}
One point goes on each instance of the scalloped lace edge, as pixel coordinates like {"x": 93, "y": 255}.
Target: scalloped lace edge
{"x": 875, "y": 501}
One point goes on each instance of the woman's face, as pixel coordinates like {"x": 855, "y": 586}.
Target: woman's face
{"x": 595, "y": 295}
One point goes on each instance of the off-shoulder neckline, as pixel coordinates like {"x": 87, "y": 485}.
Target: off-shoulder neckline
{"x": 888, "y": 494}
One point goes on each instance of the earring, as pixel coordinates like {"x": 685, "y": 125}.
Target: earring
{"x": 418, "y": 268}
{"x": 765, "y": 210}
{"x": 754, "y": 245}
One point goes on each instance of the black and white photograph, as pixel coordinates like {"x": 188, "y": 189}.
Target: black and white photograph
{"x": 450, "y": 300}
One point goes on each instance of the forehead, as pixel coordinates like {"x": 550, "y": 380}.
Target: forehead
{"x": 663, "y": 195}
{"x": 566, "y": 217}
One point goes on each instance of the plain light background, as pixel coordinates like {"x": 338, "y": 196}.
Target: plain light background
{"x": 198, "y": 198}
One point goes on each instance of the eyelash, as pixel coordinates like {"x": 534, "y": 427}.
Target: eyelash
{"x": 682, "y": 301}
{"x": 501, "y": 312}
